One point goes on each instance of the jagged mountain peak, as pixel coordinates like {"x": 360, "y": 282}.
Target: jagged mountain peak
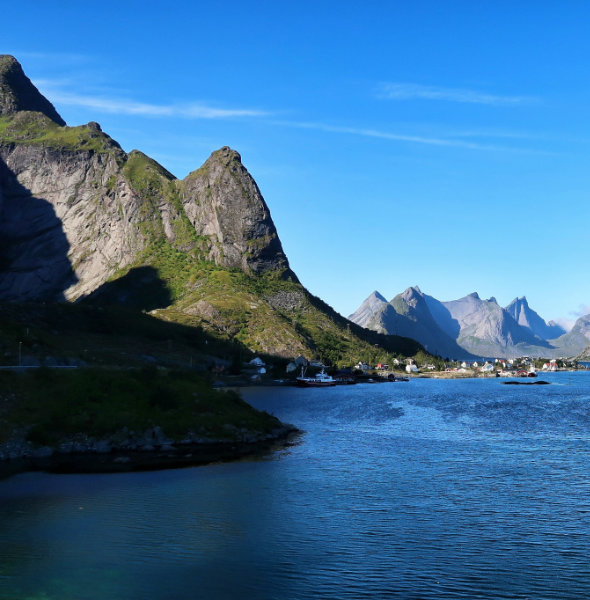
{"x": 17, "y": 92}
{"x": 410, "y": 314}
{"x": 224, "y": 158}
{"x": 412, "y": 292}
{"x": 377, "y": 296}
{"x": 525, "y": 316}
{"x": 371, "y": 305}
{"x": 471, "y": 325}
{"x": 226, "y": 154}
{"x": 222, "y": 201}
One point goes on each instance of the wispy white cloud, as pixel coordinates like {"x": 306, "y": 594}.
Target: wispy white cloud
{"x": 496, "y": 133}
{"x": 414, "y": 91}
{"x": 583, "y": 310}
{"x": 125, "y": 106}
{"x": 567, "y": 324}
{"x": 574, "y": 315}
{"x": 399, "y": 137}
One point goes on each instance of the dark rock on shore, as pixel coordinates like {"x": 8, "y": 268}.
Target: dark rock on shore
{"x": 102, "y": 456}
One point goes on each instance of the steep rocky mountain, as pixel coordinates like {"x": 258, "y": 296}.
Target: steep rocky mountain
{"x": 414, "y": 318}
{"x": 525, "y": 316}
{"x": 469, "y": 326}
{"x": 365, "y": 314}
{"x": 17, "y": 93}
{"x": 82, "y": 220}
{"x": 574, "y": 341}
{"x": 486, "y": 329}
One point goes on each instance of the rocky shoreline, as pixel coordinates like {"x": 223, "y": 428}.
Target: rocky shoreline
{"x": 150, "y": 451}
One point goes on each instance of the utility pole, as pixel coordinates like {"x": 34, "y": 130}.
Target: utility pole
{"x": 20, "y": 345}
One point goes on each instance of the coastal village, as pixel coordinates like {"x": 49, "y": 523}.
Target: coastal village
{"x": 259, "y": 372}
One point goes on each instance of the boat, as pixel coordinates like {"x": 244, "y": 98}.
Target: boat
{"x": 321, "y": 379}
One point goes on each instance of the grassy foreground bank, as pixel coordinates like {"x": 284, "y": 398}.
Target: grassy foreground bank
{"x": 48, "y": 414}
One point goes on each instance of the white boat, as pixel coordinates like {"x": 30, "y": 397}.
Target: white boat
{"x": 321, "y": 379}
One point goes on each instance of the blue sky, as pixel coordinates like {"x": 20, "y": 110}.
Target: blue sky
{"x": 396, "y": 143}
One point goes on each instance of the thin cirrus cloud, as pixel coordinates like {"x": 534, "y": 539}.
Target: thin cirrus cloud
{"x": 132, "y": 107}
{"x": 414, "y": 91}
{"x": 397, "y": 137}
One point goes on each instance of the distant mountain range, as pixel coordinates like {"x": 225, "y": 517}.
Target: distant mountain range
{"x": 471, "y": 327}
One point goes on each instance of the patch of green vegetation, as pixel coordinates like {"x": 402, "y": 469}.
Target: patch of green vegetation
{"x": 57, "y": 404}
{"x": 238, "y": 306}
{"x": 400, "y": 306}
{"x": 111, "y": 183}
{"x": 178, "y": 268}
{"x": 155, "y": 186}
{"x": 185, "y": 235}
{"x": 145, "y": 175}
{"x": 36, "y": 129}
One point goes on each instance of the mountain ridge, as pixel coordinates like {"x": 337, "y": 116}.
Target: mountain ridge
{"x": 476, "y": 327}
{"x": 81, "y": 220}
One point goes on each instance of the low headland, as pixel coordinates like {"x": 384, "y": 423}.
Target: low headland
{"x": 108, "y": 420}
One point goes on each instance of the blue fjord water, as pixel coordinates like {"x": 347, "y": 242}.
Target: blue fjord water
{"x": 423, "y": 490}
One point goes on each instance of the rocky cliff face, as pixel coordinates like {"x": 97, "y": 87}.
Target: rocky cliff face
{"x": 525, "y": 316}
{"x": 68, "y": 221}
{"x": 223, "y": 202}
{"x": 76, "y": 210}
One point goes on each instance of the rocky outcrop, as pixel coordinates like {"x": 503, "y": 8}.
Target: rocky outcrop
{"x": 17, "y": 93}
{"x": 223, "y": 202}
{"x": 69, "y": 220}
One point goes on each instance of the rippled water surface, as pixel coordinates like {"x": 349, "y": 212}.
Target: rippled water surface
{"x": 422, "y": 490}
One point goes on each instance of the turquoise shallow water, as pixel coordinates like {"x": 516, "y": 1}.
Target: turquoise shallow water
{"x": 422, "y": 490}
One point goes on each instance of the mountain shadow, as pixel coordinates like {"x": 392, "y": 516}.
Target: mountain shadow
{"x": 93, "y": 334}
{"x": 34, "y": 263}
{"x": 141, "y": 288}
